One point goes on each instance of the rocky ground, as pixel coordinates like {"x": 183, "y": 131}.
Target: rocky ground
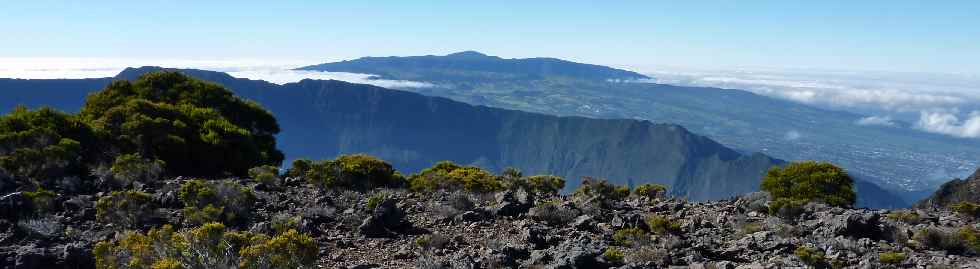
{"x": 515, "y": 229}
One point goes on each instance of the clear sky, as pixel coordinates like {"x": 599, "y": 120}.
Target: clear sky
{"x": 917, "y": 36}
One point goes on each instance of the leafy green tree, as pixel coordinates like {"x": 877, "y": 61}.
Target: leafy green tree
{"x": 37, "y": 147}
{"x": 809, "y": 181}
{"x": 197, "y": 128}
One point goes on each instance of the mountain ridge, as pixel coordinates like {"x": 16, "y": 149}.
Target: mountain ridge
{"x": 371, "y": 123}
{"x": 488, "y": 67}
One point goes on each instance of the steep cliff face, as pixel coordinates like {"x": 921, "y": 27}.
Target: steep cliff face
{"x": 415, "y": 131}
{"x": 321, "y": 119}
{"x": 954, "y": 191}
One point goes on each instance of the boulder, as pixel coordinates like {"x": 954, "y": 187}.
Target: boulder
{"x": 12, "y": 204}
{"x": 512, "y": 203}
{"x": 386, "y": 219}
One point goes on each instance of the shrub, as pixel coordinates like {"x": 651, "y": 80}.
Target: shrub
{"x": 376, "y": 200}
{"x": 290, "y": 249}
{"x": 970, "y": 238}
{"x": 652, "y": 191}
{"x": 211, "y": 245}
{"x": 129, "y": 168}
{"x": 663, "y": 225}
{"x": 284, "y": 222}
{"x": 602, "y": 188}
{"x": 448, "y": 175}
{"x": 125, "y": 208}
{"x": 206, "y": 201}
{"x": 967, "y": 209}
{"x": 811, "y": 256}
{"x": 629, "y": 236}
{"x": 905, "y": 216}
{"x": 359, "y": 171}
{"x": 810, "y": 181}
{"x": 198, "y": 128}
{"x": 613, "y": 255}
{"x": 893, "y": 258}
{"x": 43, "y": 145}
{"x": 553, "y": 214}
{"x": 41, "y": 200}
{"x": 544, "y": 184}
{"x": 267, "y": 175}
{"x": 935, "y": 238}
{"x": 431, "y": 241}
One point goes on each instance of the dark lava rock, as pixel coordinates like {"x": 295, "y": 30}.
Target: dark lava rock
{"x": 12, "y": 204}
{"x": 386, "y": 220}
{"x": 513, "y": 203}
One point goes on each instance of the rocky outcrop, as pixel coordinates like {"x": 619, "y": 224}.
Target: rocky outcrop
{"x": 517, "y": 229}
{"x": 954, "y": 191}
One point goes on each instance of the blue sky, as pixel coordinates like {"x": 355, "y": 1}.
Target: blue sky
{"x": 914, "y": 36}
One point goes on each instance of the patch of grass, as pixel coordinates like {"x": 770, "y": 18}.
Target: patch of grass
{"x": 629, "y": 236}
{"x": 662, "y": 225}
{"x": 614, "y": 255}
{"x": 893, "y": 258}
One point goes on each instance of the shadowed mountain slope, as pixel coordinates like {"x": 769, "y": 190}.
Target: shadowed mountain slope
{"x": 321, "y": 119}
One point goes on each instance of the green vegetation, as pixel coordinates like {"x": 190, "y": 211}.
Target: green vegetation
{"x": 375, "y": 200}
{"x": 893, "y": 258}
{"x": 211, "y": 245}
{"x": 603, "y": 189}
{"x": 809, "y": 181}
{"x": 906, "y": 216}
{"x": 162, "y": 123}
{"x": 663, "y": 225}
{"x": 970, "y": 238}
{"x": 629, "y": 236}
{"x": 652, "y": 191}
{"x": 614, "y": 255}
{"x": 358, "y": 171}
{"x": 811, "y": 256}
{"x": 967, "y": 209}
{"x": 197, "y": 128}
{"x": 941, "y": 239}
{"x": 41, "y": 200}
{"x": 544, "y": 184}
{"x": 124, "y": 208}
{"x": 208, "y": 201}
{"x": 448, "y": 175}
{"x": 129, "y": 168}
{"x": 267, "y": 175}
{"x": 40, "y": 146}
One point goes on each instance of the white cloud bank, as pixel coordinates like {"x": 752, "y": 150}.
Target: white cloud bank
{"x": 909, "y": 97}
{"x": 876, "y": 121}
{"x": 278, "y": 72}
{"x": 283, "y": 76}
{"x": 950, "y": 124}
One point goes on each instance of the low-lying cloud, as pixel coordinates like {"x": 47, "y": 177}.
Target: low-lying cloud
{"x": 887, "y": 97}
{"x": 950, "y": 124}
{"x": 283, "y": 76}
{"x": 876, "y": 121}
{"x": 278, "y": 72}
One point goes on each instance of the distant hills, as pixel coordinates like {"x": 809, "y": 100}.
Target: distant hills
{"x": 954, "y": 191}
{"x": 474, "y": 66}
{"x": 321, "y": 119}
{"x": 897, "y": 157}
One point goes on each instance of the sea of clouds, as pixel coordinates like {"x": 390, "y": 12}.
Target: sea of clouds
{"x": 279, "y": 72}
{"x": 939, "y": 103}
